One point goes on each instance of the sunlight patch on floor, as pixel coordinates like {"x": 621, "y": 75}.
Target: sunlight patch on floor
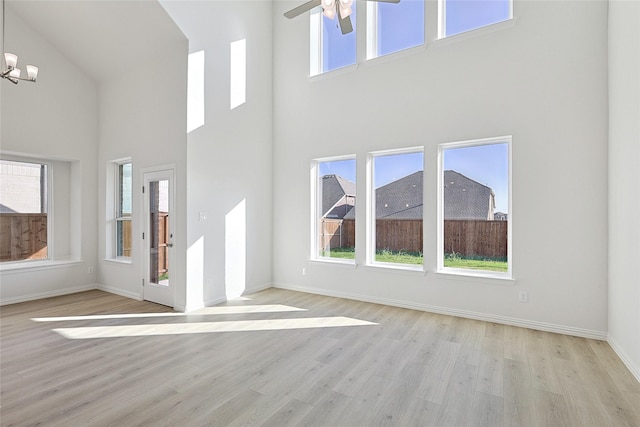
{"x": 237, "y": 309}
{"x": 208, "y": 327}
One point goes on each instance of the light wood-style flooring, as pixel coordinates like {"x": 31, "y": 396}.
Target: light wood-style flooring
{"x": 281, "y": 358}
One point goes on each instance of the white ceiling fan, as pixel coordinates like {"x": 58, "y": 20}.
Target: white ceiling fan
{"x": 331, "y": 8}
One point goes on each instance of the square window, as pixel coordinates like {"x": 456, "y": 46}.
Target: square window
{"x": 458, "y": 16}
{"x": 396, "y": 209}
{"x": 474, "y": 207}
{"x": 334, "y": 219}
{"x": 392, "y": 27}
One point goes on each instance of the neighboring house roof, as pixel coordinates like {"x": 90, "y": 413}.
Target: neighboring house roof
{"x": 338, "y": 196}
{"x": 401, "y": 199}
{"x": 465, "y": 198}
{"x": 500, "y": 216}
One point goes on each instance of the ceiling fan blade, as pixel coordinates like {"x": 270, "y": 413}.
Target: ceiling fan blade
{"x": 302, "y": 9}
{"x": 345, "y": 23}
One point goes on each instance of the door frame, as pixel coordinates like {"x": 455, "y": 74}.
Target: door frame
{"x": 149, "y": 291}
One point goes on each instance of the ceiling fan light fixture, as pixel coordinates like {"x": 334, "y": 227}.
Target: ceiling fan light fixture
{"x": 329, "y": 12}
{"x": 14, "y": 73}
{"x": 345, "y": 11}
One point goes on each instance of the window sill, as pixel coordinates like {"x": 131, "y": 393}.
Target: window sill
{"x": 331, "y": 73}
{"x": 28, "y": 266}
{"x": 395, "y": 55}
{"x": 477, "y": 277}
{"x": 335, "y": 261}
{"x": 120, "y": 260}
{"x": 405, "y": 268}
{"x": 491, "y": 28}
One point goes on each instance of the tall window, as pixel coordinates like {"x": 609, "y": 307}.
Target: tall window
{"x": 334, "y": 181}
{"x": 23, "y": 211}
{"x": 458, "y": 16}
{"x": 395, "y": 213}
{"x": 329, "y": 48}
{"x": 474, "y": 207}
{"x": 392, "y": 27}
{"x": 123, "y": 210}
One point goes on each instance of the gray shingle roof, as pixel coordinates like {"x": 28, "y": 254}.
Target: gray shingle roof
{"x": 338, "y": 196}
{"x": 465, "y": 198}
{"x": 401, "y": 199}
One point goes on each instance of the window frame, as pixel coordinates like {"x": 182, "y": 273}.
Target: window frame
{"x": 48, "y": 205}
{"x": 442, "y": 19}
{"x": 116, "y": 209}
{"x": 508, "y": 275}
{"x": 371, "y": 211}
{"x": 317, "y": 42}
{"x": 372, "y": 41}
{"x": 316, "y": 206}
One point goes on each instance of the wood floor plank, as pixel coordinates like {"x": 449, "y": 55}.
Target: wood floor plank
{"x": 407, "y": 368}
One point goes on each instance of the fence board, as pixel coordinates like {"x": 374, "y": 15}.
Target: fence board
{"x": 23, "y": 236}
{"x": 476, "y": 238}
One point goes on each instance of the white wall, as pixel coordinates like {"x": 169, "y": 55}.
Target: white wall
{"x": 142, "y": 115}
{"x": 624, "y": 180}
{"x": 54, "y": 119}
{"x": 542, "y": 80}
{"x": 229, "y": 157}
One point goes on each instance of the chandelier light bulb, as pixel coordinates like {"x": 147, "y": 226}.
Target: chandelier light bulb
{"x": 32, "y": 72}
{"x": 11, "y": 60}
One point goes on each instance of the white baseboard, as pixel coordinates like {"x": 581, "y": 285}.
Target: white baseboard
{"x": 530, "y": 324}
{"x": 49, "y": 294}
{"x": 253, "y": 290}
{"x": 120, "y": 292}
{"x": 635, "y": 369}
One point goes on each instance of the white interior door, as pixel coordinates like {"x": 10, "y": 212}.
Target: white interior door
{"x": 158, "y": 237}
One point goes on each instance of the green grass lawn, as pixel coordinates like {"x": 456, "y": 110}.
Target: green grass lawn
{"x": 475, "y": 263}
{"x": 416, "y": 258}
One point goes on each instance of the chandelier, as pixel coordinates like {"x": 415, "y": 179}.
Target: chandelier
{"x": 10, "y": 71}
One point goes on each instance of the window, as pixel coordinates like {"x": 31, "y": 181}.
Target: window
{"x": 24, "y": 221}
{"x": 330, "y": 49}
{"x": 458, "y": 16}
{"x": 474, "y": 211}
{"x": 395, "y": 217}
{"x": 123, "y": 210}
{"x": 392, "y": 27}
{"x": 334, "y": 181}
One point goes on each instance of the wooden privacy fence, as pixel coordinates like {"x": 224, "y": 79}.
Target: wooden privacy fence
{"x": 465, "y": 237}
{"x": 476, "y": 238}
{"x": 23, "y": 236}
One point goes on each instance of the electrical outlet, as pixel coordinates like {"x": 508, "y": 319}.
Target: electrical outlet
{"x": 523, "y": 296}
{"x": 203, "y": 216}
{"x": 304, "y": 271}
{"x": 90, "y": 270}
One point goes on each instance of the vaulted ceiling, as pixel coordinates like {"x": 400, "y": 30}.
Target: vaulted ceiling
{"x": 103, "y": 38}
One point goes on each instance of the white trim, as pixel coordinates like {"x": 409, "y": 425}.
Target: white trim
{"x": 440, "y": 268}
{"x": 315, "y": 42}
{"x": 316, "y": 202}
{"x": 504, "y": 320}
{"x": 476, "y": 32}
{"x": 49, "y": 294}
{"x": 27, "y": 266}
{"x": 370, "y": 206}
{"x": 372, "y": 30}
{"x": 635, "y": 369}
{"x": 122, "y": 293}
